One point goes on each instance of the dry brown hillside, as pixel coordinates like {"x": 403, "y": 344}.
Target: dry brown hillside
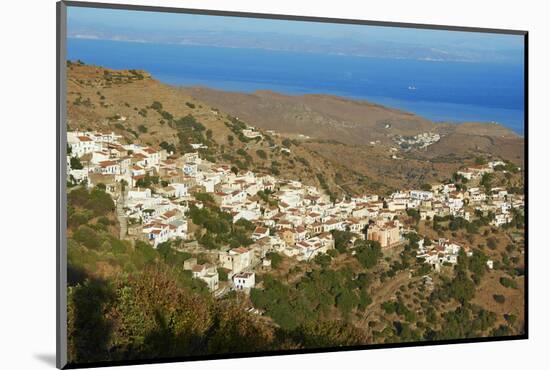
{"x": 319, "y": 116}
{"x": 358, "y": 122}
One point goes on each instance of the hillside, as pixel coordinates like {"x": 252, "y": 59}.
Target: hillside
{"x": 356, "y": 122}
{"x": 139, "y": 108}
{"x": 319, "y": 116}
{"x": 345, "y": 146}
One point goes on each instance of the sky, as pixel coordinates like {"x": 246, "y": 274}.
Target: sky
{"x": 239, "y": 32}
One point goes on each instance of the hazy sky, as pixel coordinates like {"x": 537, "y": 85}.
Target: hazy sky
{"x": 157, "y": 27}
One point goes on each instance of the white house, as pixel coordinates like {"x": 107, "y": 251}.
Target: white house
{"x": 244, "y": 280}
{"x": 81, "y": 144}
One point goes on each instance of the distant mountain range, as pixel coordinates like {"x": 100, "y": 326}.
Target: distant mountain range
{"x": 361, "y": 47}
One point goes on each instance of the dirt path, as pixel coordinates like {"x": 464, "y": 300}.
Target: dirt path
{"x": 122, "y": 221}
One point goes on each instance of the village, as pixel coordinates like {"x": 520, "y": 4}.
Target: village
{"x": 154, "y": 191}
{"x": 419, "y": 141}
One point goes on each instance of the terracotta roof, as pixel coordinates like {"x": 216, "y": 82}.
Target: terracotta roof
{"x": 198, "y": 268}
{"x": 260, "y": 230}
{"x": 240, "y": 250}
{"x": 104, "y": 164}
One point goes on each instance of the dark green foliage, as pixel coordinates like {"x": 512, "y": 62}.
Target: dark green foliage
{"x": 346, "y": 301}
{"x": 364, "y": 299}
{"x": 341, "y": 239}
{"x": 399, "y": 308}
{"x": 477, "y": 264}
{"x": 414, "y": 214}
{"x": 147, "y": 181}
{"x": 190, "y": 131}
{"x": 142, "y": 129}
{"x": 87, "y": 237}
{"x": 96, "y": 200}
{"x": 319, "y": 291}
{"x": 323, "y": 260}
{"x": 367, "y": 252}
{"x": 461, "y": 288}
{"x": 464, "y": 322}
{"x": 77, "y": 218}
{"x": 156, "y": 106}
{"x": 486, "y": 181}
{"x": 510, "y": 319}
{"x": 275, "y": 258}
{"x": 223, "y": 274}
{"x": 89, "y": 333}
{"x": 149, "y": 315}
{"x": 501, "y": 331}
{"x": 261, "y": 153}
{"x": 75, "y": 163}
{"x": 205, "y": 198}
{"x": 499, "y": 298}
{"x": 220, "y": 228}
{"x": 189, "y": 122}
{"x": 508, "y": 283}
{"x": 166, "y": 115}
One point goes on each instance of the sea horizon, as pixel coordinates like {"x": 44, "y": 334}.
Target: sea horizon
{"x": 440, "y": 91}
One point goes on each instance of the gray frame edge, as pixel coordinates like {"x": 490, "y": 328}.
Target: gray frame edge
{"x": 61, "y": 191}
{"x": 289, "y": 17}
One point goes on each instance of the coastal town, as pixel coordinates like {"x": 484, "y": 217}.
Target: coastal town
{"x": 155, "y": 191}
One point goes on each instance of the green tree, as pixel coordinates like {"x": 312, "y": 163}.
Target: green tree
{"x": 76, "y": 164}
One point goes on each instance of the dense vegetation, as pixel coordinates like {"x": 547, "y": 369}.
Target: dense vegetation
{"x": 218, "y": 228}
{"x": 319, "y": 295}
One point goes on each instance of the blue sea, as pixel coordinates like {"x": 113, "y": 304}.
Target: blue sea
{"x": 439, "y": 91}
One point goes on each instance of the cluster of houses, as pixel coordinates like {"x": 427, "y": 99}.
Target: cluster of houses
{"x": 443, "y": 252}
{"x": 477, "y": 171}
{"x": 440, "y": 253}
{"x": 419, "y": 141}
{"x": 156, "y": 188}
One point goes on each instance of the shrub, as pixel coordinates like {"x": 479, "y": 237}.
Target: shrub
{"x": 499, "y": 298}
{"x": 87, "y": 237}
{"x": 275, "y": 258}
{"x": 75, "y": 163}
{"x": 508, "y": 283}
{"x": 156, "y": 106}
